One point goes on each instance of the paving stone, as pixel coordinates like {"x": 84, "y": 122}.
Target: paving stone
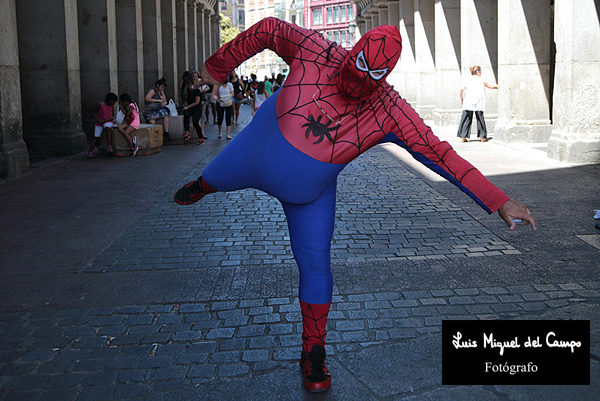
{"x": 135, "y": 375}
{"x": 233, "y": 370}
{"x": 102, "y": 378}
{"x": 225, "y": 357}
{"x": 272, "y": 318}
{"x": 251, "y": 331}
{"x": 255, "y": 355}
{"x": 127, "y": 390}
{"x": 97, "y": 393}
{"x": 220, "y": 333}
{"x": 262, "y": 342}
{"x": 204, "y": 370}
{"x": 169, "y": 373}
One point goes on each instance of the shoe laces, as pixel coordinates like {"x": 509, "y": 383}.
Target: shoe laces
{"x": 317, "y": 365}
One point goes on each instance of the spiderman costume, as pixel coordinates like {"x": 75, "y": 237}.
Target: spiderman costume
{"x": 333, "y": 106}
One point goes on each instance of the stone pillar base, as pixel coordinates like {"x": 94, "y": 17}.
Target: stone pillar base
{"x": 443, "y": 118}
{"x": 526, "y": 132}
{"x": 14, "y": 162}
{"x": 55, "y": 143}
{"x": 574, "y": 149}
{"x": 426, "y": 112}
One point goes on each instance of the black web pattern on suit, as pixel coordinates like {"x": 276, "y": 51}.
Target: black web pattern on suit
{"x": 312, "y": 320}
{"x": 392, "y": 114}
{"x": 329, "y": 56}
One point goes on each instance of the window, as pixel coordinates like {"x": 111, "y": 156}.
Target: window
{"x": 337, "y": 36}
{"x": 336, "y": 14}
{"x": 343, "y": 13}
{"x": 329, "y": 15}
{"x": 330, "y": 35}
{"x": 350, "y": 13}
{"x": 343, "y": 38}
{"x": 317, "y": 18}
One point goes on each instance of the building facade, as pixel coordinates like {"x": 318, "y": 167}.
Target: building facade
{"x": 234, "y": 10}
{"x": 55, "y": 69}
{"x": 542, "y": 53}
{"x": 334, "y": 19}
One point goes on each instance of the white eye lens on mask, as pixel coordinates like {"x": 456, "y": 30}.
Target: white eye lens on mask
{"x": 378, "y": 74}
{"x": 361, "y": 65}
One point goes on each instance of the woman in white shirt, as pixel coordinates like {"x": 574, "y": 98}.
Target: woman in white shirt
{"x": 260, "y": 95}
{"x": 472, "y": 97}
{"x": 225, "y": 106}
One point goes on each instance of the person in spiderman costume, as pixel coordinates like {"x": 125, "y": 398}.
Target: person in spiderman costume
{"x": 335, "y": 104}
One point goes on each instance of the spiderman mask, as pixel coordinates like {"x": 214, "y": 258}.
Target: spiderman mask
{"x": 369, "y": 62}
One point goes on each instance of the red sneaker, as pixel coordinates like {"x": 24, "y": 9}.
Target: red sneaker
{"x": 192, "y": 192}
{"x": 316, "y": 375}
{"x": 189, "y": 193}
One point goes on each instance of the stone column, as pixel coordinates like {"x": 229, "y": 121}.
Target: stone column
{"x": 130, "y": 50}
{"x": 169, "y": 51}
{"x": 207, "y": 46}
{"x": 375, "y": 19}
{"x": 200, "y": 30}
{"x": 360, "y": 28}
{"x": 151, "y": 45}
{"x": 396, "y": 78}
{"x": 97, "y": 56}
{"x": 215, "y": 37}
{"x": 479, "y": 46}
{"x": 368, "y": 23}
{"x": 524, "y": 53}
{"x": 425, "y": 58}
{"x": 14, "y": 158}
{"x": 383, "y": 15}
{"x": 447, "y": 62}
{"x": 576, "y": 108}
{"x": 181, "y": 38}
{"x": 407, "y": 62}
{"x": 50, "y": 76}
{"x": 191, "y": 37}
{"x": 196, "y": 35}
{"x": 393, "y": 7}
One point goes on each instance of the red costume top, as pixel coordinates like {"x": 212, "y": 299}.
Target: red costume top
{"x": 335, "y": 104}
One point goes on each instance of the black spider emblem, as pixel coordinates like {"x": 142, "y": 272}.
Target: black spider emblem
{"x": 318, "y": 129}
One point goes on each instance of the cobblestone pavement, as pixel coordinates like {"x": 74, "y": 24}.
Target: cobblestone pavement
{"x": 404, "y": 218}
{"x": 199, "y": 302}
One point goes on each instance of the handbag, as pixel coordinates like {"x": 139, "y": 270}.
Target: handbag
{"x": 240, "y": 96}
{"x": 225, "y": 101}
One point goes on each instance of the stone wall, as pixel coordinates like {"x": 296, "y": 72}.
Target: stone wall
{"x": 542, "y": 54}
{"x": 58, "y": 59}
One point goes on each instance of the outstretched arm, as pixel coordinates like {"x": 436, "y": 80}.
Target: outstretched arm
{"x": 270, "y": 33}
{"x": 408, "y": 130}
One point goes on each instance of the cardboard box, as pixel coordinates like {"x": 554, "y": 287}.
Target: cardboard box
{"x": 149, "y": 141}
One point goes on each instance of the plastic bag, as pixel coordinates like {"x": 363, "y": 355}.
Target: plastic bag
{"x": 172, "y": 108}
{"x": 120, "y": 117}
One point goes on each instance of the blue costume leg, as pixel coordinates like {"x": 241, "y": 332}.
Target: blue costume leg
{"x": 311, "y": 230}
{"x": 260, "y": 157}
